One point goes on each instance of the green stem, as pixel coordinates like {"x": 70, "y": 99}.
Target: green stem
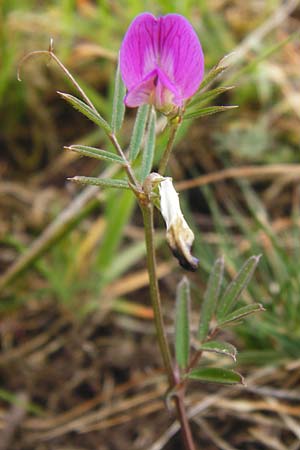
{"x": 147, "y": 210}
{"x": 166, "y": 155}
{"x": 128, "y": 168}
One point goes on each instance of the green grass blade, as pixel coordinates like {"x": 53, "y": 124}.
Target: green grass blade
{"x": 149, "y": 147}
{"x": 182, "y": 325}
{"x": 118, "y": 210}
{"x": 216, "y": 375}
{"x": 138, "y": 132}
{"x": 16, "y": 399}
{"x": 127, "y": 257}
{"x": 118, "y": 102}
{"x": 211, "y": 298}
{"x": 101, "y": 182}
{"x": 87, "y": 111}
{"x": 208, "y": 111}
{"x": 266, "y": 53}
{"x": 96, "y": 153}
{"x": 236, "y": 287}
{"x": 130, "y": 256}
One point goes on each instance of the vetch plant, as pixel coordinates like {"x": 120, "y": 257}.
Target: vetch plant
{"x": 161, "y": 65}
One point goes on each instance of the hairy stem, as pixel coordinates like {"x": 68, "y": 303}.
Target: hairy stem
{"x": 184, "y": 422}
{"x": 147, "y": 210}
{"x": 63, "y": 68}
{"x": 128, "y": 167}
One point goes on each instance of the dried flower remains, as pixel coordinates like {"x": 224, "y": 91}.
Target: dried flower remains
{"x": 179, "y": 235}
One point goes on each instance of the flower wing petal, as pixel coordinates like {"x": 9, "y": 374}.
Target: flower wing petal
{"x": 141, "y": 93}
{"x": 154, "y": 88}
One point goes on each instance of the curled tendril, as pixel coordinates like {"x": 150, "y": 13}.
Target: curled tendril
{"x": 53, "y": 56}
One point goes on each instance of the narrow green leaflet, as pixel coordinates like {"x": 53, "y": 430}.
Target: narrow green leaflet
{"x": 223, "y": 348}
{"x": 138, "y": 132}
{"x": 101, "y": 182}
{"x": 240, "y": 313}
{"x": 149, "y": 147}
{"x": 182, "y": 325}
{"x": 235, "y": 288}
{"x": 96, "y": 153}
{"x": 208, "y": 111}
{"x": 118, "y": 102}
{"x": 215, "y": 71}
{"x": 208, "y": 95}
{"x": 216, "y": 375}
{"x": 211, "y": 298}
{"x": 87, "y": 111}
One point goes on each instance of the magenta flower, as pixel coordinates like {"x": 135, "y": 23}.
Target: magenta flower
{"x": 161, "y": 61}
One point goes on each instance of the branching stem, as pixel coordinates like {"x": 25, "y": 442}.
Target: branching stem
{"x": 111, "y": 135}
{"x": 63, "y": 68}
{"x": 128, "y": 167}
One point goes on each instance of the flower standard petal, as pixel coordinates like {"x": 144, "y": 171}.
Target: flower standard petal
{"x": 181, "y": 55}
{"x": 161, "y": 61}
{"x": 138, "y": 51}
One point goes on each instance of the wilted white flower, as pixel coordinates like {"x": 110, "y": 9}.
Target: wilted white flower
{"x": 179, "y": 235}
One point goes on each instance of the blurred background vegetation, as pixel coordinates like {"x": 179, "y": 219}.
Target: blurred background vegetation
{"x": 78, "y": 365}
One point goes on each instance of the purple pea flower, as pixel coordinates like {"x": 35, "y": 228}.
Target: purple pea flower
{"x": 161, "y": 62}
